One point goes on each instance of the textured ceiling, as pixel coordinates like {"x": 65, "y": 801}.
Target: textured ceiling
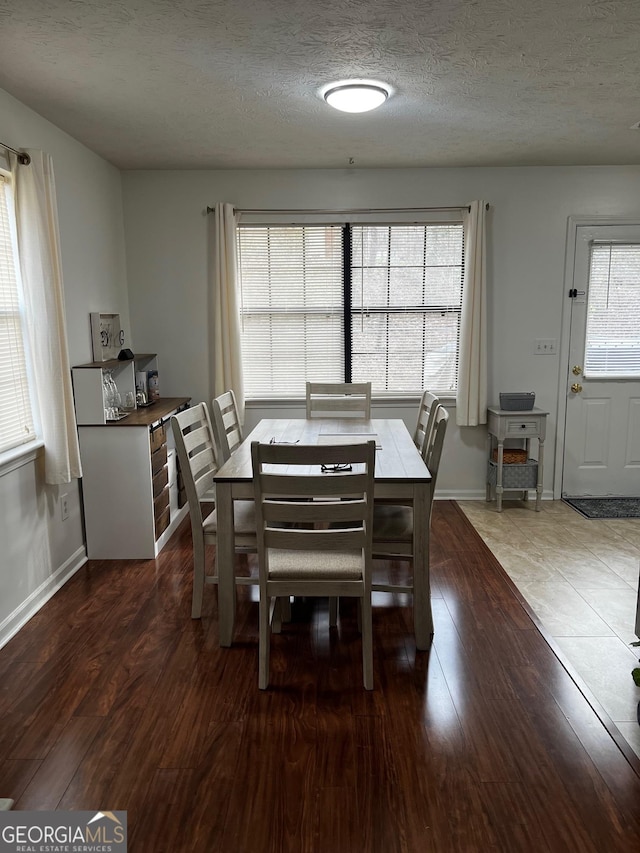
{"x": 217, "y": 84}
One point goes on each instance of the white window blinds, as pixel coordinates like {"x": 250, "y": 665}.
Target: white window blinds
{"x": 292, "y": 314}
{"x": 612, "y": 348}
{"x": 343, "y": 302}
{"x": 16, "y": 420}
{"x": 407, "y": 299}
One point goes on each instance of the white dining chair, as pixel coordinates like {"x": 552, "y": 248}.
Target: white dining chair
{"x": 226, "y": 422}
{"x": 342, "y": 399}
{"x": 198, "y": 462}
{"x": 422, "y": 434}
{"x": 338, "y": 399}
{"x": 393, "y": 524}
{"x": 312, "y": 547}
{"x": 429, "y": 405}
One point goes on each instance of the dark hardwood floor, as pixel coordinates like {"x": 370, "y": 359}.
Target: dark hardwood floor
{"x": 111, "y": 697}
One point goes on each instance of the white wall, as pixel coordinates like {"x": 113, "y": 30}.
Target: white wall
{"x": 38, "y": 549}
{"x": 168, "y": 245}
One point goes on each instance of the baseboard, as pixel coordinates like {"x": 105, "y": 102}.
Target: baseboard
{"x": 481, "y": 495}
{"x": 10, "y": 626}
{"x": 459, "y": 495}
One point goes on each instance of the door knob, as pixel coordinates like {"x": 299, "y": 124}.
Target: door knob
{"x": 576, "y": 370}
{"x": 576, "y": 387}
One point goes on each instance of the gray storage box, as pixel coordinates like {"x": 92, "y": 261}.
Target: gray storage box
{"x": 515, "y": 476}
{"x": 521, "y": 401}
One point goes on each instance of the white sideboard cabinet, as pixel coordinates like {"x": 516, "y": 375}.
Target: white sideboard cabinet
{"x": 129, "y": 472}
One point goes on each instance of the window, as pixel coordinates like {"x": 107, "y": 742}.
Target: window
{"x": 16, "y": 419}
{"x": 292, "y": 307}
{"x": 350, "y": 303}
{"x": 612, "y": 348}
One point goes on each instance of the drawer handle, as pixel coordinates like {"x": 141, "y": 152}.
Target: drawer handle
{"x": 523, "y": 426}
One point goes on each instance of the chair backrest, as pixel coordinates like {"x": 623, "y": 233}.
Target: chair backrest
{"x": 429, "y": 405}
{"x": 349, "y": 399}
{"x": 434, "y": 450}
{"x": 286, "y": 477}
{"x": 196, "y": 449}
{"x": 228, "y": 430}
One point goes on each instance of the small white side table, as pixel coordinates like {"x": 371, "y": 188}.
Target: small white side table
{"x": 503, "y": 424}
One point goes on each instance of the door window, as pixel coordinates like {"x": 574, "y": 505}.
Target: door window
{"x": 612, "y": 345}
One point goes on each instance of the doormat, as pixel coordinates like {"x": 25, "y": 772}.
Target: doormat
{"x": 606, "y": 507}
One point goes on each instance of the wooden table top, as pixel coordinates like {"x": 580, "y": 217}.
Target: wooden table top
{"x": 397, "y": 458}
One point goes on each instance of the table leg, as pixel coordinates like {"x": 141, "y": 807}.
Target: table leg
{"x": 540, "y": 469}
{"x": 499, "y": 488}
{"x": 422, "y": 616}
{"x": 225, "y": 557}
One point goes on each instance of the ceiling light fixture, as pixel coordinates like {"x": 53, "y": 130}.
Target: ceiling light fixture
{"x": 355, "y": 96}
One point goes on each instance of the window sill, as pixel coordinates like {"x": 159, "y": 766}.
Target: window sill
{"x": 19, "y": 456}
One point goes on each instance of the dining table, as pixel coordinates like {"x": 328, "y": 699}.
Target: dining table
{"x": 401, "y": 476}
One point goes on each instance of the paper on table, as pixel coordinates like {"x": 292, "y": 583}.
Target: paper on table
{"x": 348, "y": 438}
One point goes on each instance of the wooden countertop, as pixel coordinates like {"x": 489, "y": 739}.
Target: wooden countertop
{"x": 150, "y": 414}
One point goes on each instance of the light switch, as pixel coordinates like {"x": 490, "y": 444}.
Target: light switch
{"x": 545, "y": 346}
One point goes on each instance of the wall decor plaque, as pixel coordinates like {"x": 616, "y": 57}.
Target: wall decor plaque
{"x": 107, "y": 338}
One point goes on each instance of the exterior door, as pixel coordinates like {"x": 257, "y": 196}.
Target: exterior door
{"x": 602, "y": 427}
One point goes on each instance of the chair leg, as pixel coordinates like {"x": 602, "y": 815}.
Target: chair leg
{"x": 367, "y": 643}
{"x": 276, "y": 617}
{"x": 281, "y": 613}
{"x": 285, "y": 608}
{"x": 333, "y": 612}
{"x": 198, "y": 579}
{"x": 264, "y": 643}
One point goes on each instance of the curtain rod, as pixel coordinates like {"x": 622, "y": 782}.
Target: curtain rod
{"x": 23, "y": 158}
{"x": 356, "y": 210}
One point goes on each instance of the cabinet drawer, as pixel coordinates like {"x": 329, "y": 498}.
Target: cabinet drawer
{"x": 157, "y": 437}
{"x": 522, "y": 426}
{"x": 161, "y": 503}
{"x": 162, "y": 522}
{"x": 158, "y": 459}
{"x": 160, "y": 480}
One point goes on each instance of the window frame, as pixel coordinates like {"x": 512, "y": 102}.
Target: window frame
{"x": 347, "y": 223}
{"x": 19, "y": 454}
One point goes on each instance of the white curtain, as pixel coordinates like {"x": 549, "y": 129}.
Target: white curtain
{"x": 41, "y": 270}
{"x": 227, "y": 352}
{"x": 471, "y": 402}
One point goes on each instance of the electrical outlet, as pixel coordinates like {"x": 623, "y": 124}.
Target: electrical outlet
{"x": 545, "y": 346}
{"x": 64, "y": 507}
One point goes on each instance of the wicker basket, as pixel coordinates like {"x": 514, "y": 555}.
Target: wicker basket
{"x": 511, "y": 456}
{"x": 515, "y": 476}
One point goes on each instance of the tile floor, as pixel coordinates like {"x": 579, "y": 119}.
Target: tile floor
{"x": 580, "y": 577}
